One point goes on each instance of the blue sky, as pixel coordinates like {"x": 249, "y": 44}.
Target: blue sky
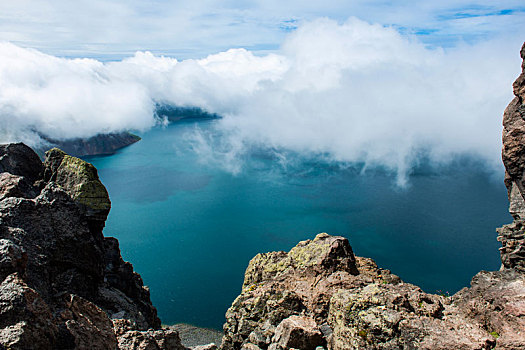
{"x": 110, "y": 29}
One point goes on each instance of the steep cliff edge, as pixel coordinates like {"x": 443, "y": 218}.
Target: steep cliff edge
{"x": 513, "y": 154}
{"x": 63, "y": 284}
{"x": 319, "y": 295}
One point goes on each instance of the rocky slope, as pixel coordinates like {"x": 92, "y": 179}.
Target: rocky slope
{"x": 64, "y": 285}
{"x": 319, "y": 295}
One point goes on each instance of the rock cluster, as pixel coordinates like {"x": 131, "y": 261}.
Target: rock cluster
{"x": 63, "y": 284}
{"x": 320, "y": 295}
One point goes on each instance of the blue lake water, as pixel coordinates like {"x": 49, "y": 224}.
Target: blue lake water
{"x": 190, "y": 228}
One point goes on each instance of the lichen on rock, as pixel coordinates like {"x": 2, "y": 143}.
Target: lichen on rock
{"x": 80, "y": 180}
{"x": 280, "y": 286}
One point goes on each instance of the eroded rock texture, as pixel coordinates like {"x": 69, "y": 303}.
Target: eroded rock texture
{"x": 512, "y": 236}
{"x": 64, "y": 285}
{"x": 320, "y": 295}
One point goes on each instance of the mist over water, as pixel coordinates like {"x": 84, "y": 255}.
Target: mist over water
{"x": 190, "y": 226}
{"x": 351, "y": 92}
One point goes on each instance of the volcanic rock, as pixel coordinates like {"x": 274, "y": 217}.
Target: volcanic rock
{"x": 80, "y": 180}
{"x": 298, "y": 332}
{"x": 512, "y": 236}
{"x": 63, "y": 281}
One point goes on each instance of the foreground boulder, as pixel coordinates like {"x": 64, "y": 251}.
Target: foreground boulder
{"x": 326, "y": 297}
{"x": 63, "y": 284}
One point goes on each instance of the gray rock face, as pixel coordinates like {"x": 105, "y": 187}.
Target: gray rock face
{"x": 63, "y": 281}
{"x": 26, "y": 320}
{"x": 298, "y": 332}
{"x": 19, "y": 159}
{"x": 12, "y": 258}
{"x": 512, "y": 236}
{"x": 497, "y": 301}
{"x": 130, "y": 338}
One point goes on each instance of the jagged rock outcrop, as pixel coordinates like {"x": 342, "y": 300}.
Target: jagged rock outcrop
{"x": 63, "y": 284}
{"x": 512, "y": 236}
{"x": 320, "y": 294}
{"x": 80, "y": 180}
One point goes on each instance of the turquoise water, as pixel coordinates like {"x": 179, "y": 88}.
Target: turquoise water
{"x": 190, "y": 228}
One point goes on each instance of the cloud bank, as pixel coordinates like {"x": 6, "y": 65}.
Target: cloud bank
{"x": 350, "y": 92}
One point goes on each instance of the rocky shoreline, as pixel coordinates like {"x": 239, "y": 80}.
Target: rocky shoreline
{"x": 65, "y": 286}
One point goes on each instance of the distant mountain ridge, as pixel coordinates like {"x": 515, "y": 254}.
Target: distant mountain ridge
{"x": 177, "y": 113}
{"x": 101, "y": 144}
{"x": 109, "y": 143}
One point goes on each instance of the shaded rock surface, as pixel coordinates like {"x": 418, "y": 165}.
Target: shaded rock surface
{"x": 63, "y": 284}
{"x": 512, "y": 236}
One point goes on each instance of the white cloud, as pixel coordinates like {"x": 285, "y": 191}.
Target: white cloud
{"x": 66, "y": 98}
{"x": 351, "y": 92}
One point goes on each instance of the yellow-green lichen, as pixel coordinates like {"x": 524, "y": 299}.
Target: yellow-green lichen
{"x": 495, "y": 334}
{"x": 80, "y": 179}
{"x": 309, "y": 253}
